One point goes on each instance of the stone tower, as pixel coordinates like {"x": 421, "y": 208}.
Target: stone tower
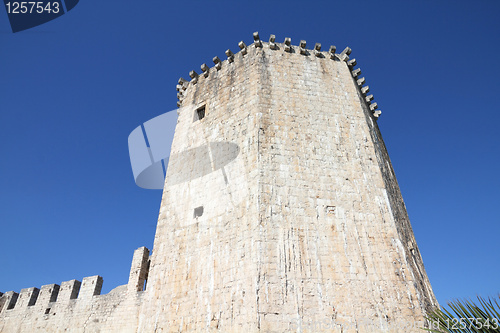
{"x": 281, "y": 211}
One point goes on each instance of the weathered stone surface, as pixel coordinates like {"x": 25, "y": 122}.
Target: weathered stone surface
{"x": 48, "y": 293}
{"x": 27, "y": 297}
{"x": 75, "y": 306}
{"x": 304, "y": 226}
{"x": 139, "y": 270}
{"x": 8, "y": 301}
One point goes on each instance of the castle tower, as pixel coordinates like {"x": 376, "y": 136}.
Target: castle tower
{"x": 281, "y": 211}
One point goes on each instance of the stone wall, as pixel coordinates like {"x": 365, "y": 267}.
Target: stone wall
{"x": 76, "y": 306}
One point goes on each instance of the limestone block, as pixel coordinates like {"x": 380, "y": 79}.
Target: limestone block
{"x": 272, "y": 44}
{"x": 205, "y": 70}
{"x": 8, "y": 301}
{"x": 139, "y": 270}
{"x": 183, "y": 83}
{"x": 91, "y": 286}
{"x": 194, "y": 77}
{"x": 242, "y": 47}
{"x": 27, "y": 297}
{"x": 344, "y": 55}
{"x": 256, "y": 38}
{"x": 332, "y": 50}
{"x": 217, "y": 62}
{"x": 48, "y": 293}
{"x": 69, "y": 290}
{"x": 230, "y": 55}
{"x": 317, "y": 50}
{"x": 356, "y": 72}
{"x": 302, "y": 47}
{"x": 288, "y": 46}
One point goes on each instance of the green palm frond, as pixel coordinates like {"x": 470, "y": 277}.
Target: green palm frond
{"x": 466, "y": 317}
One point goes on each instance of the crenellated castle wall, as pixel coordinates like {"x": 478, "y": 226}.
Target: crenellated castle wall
{"x": 75, "y": 306}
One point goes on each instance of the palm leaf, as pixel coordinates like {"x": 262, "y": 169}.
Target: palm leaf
{"x": 466, "y": 317}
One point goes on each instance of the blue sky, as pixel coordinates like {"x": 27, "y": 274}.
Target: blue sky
{"x": 73, "y": 89}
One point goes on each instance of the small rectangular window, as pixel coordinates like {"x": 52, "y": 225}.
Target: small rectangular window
{"x": 200, "y": 113}
{"x": 198, "y": 211}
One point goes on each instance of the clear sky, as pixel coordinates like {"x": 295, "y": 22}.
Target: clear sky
{"x": 73, "y": 89}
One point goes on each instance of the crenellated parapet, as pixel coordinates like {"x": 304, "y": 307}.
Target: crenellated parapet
{"x": 8, "y": 300}
{"x": 51, "y": 293}
{"x": 67, "y": 304}
{"x": 286, "y": 46}
{"x": 69, "y": 290}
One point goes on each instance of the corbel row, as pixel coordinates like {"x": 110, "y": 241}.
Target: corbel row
{"x": 287, "y": 47}
{"x": 373, "y": 106}
{"x": 181, "y": 87}
{"x": 183, "y": 84}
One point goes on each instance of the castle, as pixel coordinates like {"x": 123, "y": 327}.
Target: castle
{"x": 280, "y": 213}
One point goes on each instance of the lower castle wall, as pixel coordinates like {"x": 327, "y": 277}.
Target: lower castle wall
{"x": 115, "y": 312}
{"x": 77, "y": 307}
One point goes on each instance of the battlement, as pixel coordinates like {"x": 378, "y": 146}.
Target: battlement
{"x": 35, "y": 297}
{"x": 287, "y": 47}
{"x": 74, "y": 293}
